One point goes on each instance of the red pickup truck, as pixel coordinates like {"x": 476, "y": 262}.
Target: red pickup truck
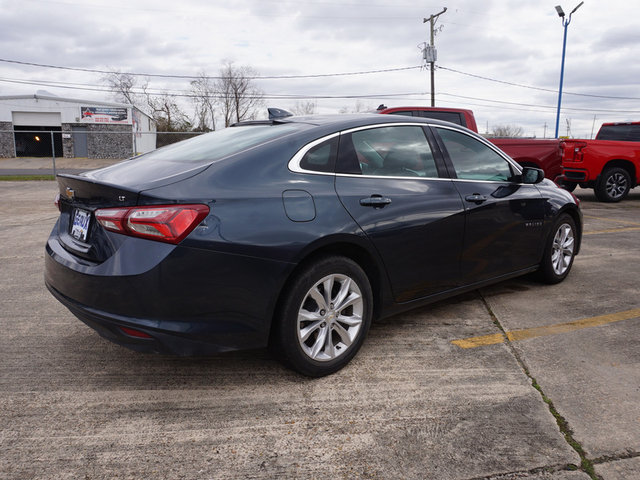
{"x": 610, "y": 164}
{"x": 528, "y": 152}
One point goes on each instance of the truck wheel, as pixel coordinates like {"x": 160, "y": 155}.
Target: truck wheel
{"x": 613, "y": 186}
{"x": 559, "y": 251}
{"x": 324, "y": 318}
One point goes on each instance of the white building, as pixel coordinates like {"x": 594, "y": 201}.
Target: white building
{"x": 81, "y": 128}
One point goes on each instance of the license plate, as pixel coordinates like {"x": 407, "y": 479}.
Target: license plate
{"x": 80, "y": 227}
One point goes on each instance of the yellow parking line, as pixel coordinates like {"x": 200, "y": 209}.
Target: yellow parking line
{"x": 526, "y": 333}
{"x": 612, "y": 220}
{"x": 612, "y": 230}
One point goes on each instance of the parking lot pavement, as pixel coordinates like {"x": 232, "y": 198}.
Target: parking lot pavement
{"x": 413, "y": 404}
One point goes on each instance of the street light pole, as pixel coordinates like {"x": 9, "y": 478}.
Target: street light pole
{"x": 565, "y": 24}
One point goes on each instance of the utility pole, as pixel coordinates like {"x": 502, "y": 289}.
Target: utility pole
{"x": 430, "y": 54}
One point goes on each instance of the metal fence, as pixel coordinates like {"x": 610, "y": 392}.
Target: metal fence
{"x": 54, "y": 142}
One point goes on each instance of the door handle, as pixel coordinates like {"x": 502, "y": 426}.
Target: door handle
{"x": 375, "y": 201}
{"x": 476, "y": 198}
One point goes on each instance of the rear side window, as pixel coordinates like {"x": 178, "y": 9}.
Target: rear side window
{"x": 623, "y": 133}
{"x": 321, "y": 158}
{"x": 472, "y": 159}
{"x": 396, "y": 151}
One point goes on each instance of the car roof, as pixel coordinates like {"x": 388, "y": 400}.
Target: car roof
{"x": 344, "y": 121}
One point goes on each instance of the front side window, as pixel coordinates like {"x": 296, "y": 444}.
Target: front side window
{"x": 472, "y": 159}
{"x": 396, "y": 151}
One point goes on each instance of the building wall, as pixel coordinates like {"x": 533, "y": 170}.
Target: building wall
{"x": 109, "y": 141}
{"x": 7, "y": 142}
{"x": 121, "y": 122}
{"x": 67, "y": 141}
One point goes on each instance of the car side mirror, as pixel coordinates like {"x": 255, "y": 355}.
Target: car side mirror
{"x": 532, "y": 175}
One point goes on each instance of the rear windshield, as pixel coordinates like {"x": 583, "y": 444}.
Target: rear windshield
{"x": 626, "y": 133}
{"x": 219, "y": 144}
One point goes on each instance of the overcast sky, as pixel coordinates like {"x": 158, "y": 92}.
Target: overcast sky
{"x": 499, "y": 58}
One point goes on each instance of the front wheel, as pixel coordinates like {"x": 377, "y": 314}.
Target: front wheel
{"x": 614, "y": 184}
{"x": 559, "y": 251}
{"x": 324, "y": 317}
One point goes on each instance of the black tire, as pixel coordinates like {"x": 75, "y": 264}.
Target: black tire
{"x": 614, "y": 184}
{"x": 324, "y": 318}
{"x": 559, "y": 252}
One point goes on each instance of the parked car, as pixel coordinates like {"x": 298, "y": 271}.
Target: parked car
{"x": 295, "y": 233}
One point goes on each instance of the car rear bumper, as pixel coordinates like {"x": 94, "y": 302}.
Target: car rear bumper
{"x": 164, "y": 337}
{"x": 188, "y": 301}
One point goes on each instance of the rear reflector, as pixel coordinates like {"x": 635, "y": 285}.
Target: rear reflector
{"x": 135, "y": 333}
{"x": 165, "y": 223}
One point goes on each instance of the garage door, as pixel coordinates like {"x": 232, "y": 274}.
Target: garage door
{"x": 43, "y": 119}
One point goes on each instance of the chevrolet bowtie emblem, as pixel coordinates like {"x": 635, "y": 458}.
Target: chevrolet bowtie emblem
{"x": 70, "y": 193}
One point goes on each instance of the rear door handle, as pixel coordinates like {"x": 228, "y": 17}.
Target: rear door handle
{"x": 476, "y": 198}
{"x": 375, "y": 201}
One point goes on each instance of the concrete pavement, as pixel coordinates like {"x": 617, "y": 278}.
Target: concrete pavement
{"x": 44, "y": 165}
{"x": 412, "y": 405}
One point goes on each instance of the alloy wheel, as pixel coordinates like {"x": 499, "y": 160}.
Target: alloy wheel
{"x": 616, "y": 185}
{"x": 562, "y": 249}
{"x": 330, "y": 317}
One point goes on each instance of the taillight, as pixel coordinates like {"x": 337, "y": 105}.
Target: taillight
{"x": 56, "y": 202}
{"x": 578, "y": 154}
{"x": 165, "y": 223}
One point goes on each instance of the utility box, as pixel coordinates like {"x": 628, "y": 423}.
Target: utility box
{"x": 430, "y": 54}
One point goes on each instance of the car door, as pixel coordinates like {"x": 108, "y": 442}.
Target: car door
{"x": 504, "y": 217}
{"x": 394, "y": 187}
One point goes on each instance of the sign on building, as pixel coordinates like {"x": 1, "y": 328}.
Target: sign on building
{"x": 104, "y": 115}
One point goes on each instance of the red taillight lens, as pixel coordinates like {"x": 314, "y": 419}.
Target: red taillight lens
{"x": 56, "y": 202}
{"x": 165, "y": 223}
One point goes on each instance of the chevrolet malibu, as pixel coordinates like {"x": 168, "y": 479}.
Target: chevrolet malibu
{"x": 296, "y": 233}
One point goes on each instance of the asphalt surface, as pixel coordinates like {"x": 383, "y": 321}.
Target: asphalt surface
{"x": 413, "y": 404}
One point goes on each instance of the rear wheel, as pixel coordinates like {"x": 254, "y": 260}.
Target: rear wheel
{"x": 614, "y": 184}
{"x": 559, "y": 251}
{"x": 324, "y": 318}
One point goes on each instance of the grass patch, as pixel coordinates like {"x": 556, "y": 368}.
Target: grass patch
{"x": 25, "y": 178}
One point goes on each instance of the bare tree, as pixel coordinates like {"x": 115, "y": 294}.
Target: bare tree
{"x": 358, "y": 107}
{"x": 170, "y": 118}
{"x": 123, "y": 85}
{"x": 506, "y": 131}
{"x": 239, "y": 98}
{"x": 204, "y": 100}
{"x": 304, "y": 108}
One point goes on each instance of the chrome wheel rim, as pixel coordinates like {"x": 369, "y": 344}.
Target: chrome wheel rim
{"x": 616, "y": 185}
{"x": 330, "y": 317}
{"x": 562, "y": 252}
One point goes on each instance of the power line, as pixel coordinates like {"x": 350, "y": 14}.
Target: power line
{"x": 194, "y": 77}
{"x": 322, "y": 75}
{"x": 410, "y": 96}
{"x": 532, "y": 87}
